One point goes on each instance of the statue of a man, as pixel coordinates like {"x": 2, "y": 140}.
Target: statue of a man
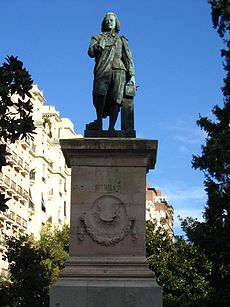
{"x": 113, "y": 69}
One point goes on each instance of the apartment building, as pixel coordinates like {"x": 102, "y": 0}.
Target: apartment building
{"x": 36, "y": 179}
{"x": 158, "y": 209}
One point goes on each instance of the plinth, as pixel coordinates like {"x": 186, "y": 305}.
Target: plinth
{"x": 107, "y": 264}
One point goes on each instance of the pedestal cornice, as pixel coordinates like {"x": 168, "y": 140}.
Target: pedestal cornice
{"x": 95, "y": 147}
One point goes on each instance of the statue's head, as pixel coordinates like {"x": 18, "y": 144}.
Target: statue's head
{"x": 110, "y": 22}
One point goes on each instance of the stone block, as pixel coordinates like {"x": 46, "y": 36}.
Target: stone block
{"x": 107, "y": 293}
{"x": 107, "y": 264}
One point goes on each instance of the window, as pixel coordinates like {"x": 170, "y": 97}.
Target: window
{"x": 44, "y": 172}
{"x": 59, "y": 216}
{"x": 32, "y": 174}
{"x": 65, "y": 186}
{"x": 60, "y": 188}
{"x": 43, "y": 204}
{"x": 65, "y": 208}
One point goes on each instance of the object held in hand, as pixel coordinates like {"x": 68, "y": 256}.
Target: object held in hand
{"x": 130, "y": 89}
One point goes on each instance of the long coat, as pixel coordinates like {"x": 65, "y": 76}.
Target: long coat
{"x": 111, "y": 52}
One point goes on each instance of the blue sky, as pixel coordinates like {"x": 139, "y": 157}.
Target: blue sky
{"x": 178, "y": 66}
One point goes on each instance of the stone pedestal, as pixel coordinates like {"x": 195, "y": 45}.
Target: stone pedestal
{"x": 107, "y": 264}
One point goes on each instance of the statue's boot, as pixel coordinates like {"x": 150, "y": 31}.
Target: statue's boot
{"x": 99, "y": 103}
{"x": 114, "y": 110}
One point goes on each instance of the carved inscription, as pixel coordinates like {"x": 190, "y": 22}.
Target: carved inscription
{"x": 108, "y": 188}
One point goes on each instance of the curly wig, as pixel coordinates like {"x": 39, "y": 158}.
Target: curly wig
{"x": 103, "y": 24}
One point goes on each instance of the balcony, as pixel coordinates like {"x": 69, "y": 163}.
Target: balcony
{"x": 20, "y": 190}
{"x": 22, "y": 168}
{"x": 12, "y": 215}
{"x": 26, "y": 142}
{"x": 24, "y": 223}
{"x": 11, "y": 218}
{"x": 7, "y": 180}
{"x": 13, "y": 185}
{"x": 25, "y": 195}
{"x": 2, "y": 183}
{"x": 12, "y": 189}
{"x": 18, "y": 163}
{"x": 6, "y": 214}
{"x": 18, "y": 220}
{"x": 3, "y": 217}
{"x": 12, "y": 157}
{"x": 26, "y": 167}
{"x": 15, "y": 228}
{"x": 34, "y": 148}
{"x": 2, "y": 245}
{"x": 8, "y": 185}
{"x": 31, "y": 205}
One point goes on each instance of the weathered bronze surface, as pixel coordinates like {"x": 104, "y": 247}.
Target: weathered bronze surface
{"x": 114, "y": 78}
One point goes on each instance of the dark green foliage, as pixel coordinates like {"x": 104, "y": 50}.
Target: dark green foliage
{"x": 15, "y": 111}
{"x": 3, "y": 201}
{"x": 213, "y": 235}
{"x": 3, "y": 155}
{"x": 180, "y": 267}
{"x": 210, "y": 241}
{"x": 34, "y": 266}
{"x": 4, "y": 284}
{"x": 15, "y": 114}
{"x": 221, "y": 16}
{"x": 3, "y": 162}
{"x": 29, "y": 274}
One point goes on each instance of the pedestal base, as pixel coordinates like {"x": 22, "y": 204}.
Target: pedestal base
{"x": 107, "y": 266}
{"x": 80, "y": 292}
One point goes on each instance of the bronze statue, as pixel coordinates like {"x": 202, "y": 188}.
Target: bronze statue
{"x": 113, "y": 70}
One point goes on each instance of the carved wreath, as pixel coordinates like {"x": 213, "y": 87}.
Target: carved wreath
{"x": 130, "y": 228}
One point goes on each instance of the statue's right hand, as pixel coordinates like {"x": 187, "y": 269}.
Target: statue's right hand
{"x": 102, "y": 43}
{"x": 99, "y": 48}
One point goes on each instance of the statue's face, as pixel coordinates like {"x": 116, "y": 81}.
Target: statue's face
{"x": 110, "y": 22}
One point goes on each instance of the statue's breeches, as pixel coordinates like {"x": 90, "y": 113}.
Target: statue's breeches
{"x": 110, "y": 84}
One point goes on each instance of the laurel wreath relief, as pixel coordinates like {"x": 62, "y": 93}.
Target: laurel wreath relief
{"x": 86, "y": 228}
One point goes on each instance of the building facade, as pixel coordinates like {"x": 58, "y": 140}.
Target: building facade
{"x": 158, "y": 209}
{"x": 36, "y": 179}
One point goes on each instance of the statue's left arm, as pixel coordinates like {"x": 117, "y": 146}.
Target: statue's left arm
{"x": 128, "y": 60}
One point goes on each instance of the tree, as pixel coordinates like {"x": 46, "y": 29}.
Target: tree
{"x": 180, "y": 267}
{"x": 55, "y": 247}
{"x": 213, "y": 235}
{"x": 15, "y": 113}
{"x": 34, "y": 266}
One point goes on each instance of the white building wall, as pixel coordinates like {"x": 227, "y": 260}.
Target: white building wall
{"x": 159, "y": 210}
{"x": 37, "y": 179}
